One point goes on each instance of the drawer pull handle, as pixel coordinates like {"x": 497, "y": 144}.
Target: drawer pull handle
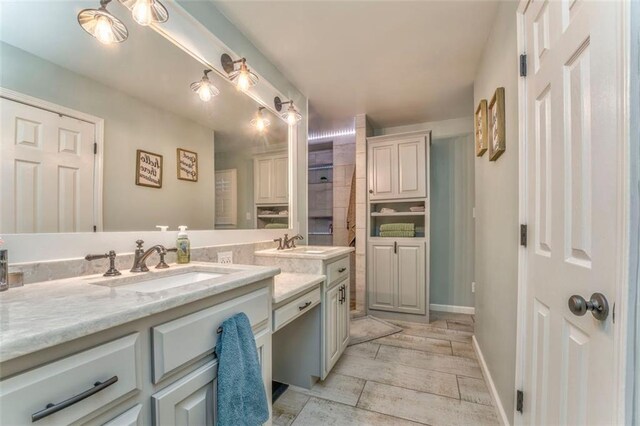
{"x": 341, "y": 270}
{"x": 54, "y": 408}
{"x": 305, "y": 306}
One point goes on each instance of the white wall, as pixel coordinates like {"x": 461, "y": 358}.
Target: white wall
{"x": 129, "y": 124}
{"x": 439, "y": 129}
{"x": 496, "y": 189}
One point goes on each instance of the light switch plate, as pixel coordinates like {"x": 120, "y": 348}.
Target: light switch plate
{"x": 225, "y": 257}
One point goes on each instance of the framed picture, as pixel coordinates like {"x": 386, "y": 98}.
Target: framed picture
{"x": 481, "y": 128}
{"x": 148, "y": 169}
{"x": 187, "y": 165}
{"x": 497, "y": 144}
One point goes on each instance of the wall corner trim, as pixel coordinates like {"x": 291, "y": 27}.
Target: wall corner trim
{"x": 497, "y": 403}
{"x": 469, "y": 310}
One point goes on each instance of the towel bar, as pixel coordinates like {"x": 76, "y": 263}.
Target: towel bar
{"x": 219, "y": 331}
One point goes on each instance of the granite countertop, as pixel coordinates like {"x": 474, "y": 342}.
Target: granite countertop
{"x": 290, "y": 284}
{"x": 45, "y": 314}
{"x": 307, "y": 252}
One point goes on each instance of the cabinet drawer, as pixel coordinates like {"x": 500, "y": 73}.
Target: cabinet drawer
{"x": 338, "y": 270}
{"x": 28, "y": 393}
{"x": 287, "y": 313}
{"x": 181, "y": 341}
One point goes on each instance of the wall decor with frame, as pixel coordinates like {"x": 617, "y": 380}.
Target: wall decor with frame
{"x": 148, "y": 169}
{"x": 187, "y": 165}
{"x": 497, "y": 143}
{"x": 481, "y": 134}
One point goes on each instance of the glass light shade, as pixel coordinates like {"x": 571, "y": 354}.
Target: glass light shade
{"x": 260, "y": 123}
{"x": 102, "y": 25}
{"x": 146, "y": 12}
{"x": 205, "y": 89}
{"x": 243, "y": 77}
{"x": 292, "y": 116}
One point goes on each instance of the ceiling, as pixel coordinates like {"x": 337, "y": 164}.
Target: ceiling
{"x": 400, "y": 62}
{"x": 145, "y": 66}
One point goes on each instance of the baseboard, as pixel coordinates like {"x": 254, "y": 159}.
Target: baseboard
{"x": 469, "y": 310}
{"x": 504, "y": 420}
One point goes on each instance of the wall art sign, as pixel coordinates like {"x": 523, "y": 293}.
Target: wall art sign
{"x": 481, "y": 128}
{"x": 497, "y": 143}
{"x": 187, "y": 165}
{"x": 148, "y": 169}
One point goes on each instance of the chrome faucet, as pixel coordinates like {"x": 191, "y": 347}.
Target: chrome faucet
{"x": 141, "y": 256}
{"x": 289, "y": 243}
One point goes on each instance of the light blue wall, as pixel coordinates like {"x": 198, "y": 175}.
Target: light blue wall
{"x": 452, "y": 227}
{"x": 209, "y": 16}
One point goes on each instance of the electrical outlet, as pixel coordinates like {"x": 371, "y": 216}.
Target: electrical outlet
{"x": 225, "y": 257}
{"x": 473, "y": 287}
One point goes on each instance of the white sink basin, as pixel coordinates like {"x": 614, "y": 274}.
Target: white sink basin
{"x": 311, "y": 250}
{"x": 152, "y": 285}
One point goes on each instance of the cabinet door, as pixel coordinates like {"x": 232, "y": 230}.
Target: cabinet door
{"x": 382, "y": 275}
{"x": 190, "y": 401}
{"x": 263, "y": 173}
{"x": 411, "y": 278}
{"x": 382, "y": 165}
{"x": 411, "y": 168}
{"x": 332, "y": 330}
{"x": 344, "y": 317}
{"x": 280, "y": 190}
{"x": 263, "y": 345}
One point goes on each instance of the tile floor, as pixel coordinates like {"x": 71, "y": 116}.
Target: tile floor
{"x": 425, "y": 375}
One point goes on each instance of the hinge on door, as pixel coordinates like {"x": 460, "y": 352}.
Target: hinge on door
{"x": 519, "y": 401}
{"x": 523, "y": 235}
{"x": 523, "y": 65}
{"x": 95, "y": 148}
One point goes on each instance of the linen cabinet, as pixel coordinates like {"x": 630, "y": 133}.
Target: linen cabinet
{"x": 397, "y": 251}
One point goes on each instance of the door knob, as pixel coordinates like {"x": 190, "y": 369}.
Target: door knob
{"x": 371, "y": 191}
{"x": 598, "y": 306}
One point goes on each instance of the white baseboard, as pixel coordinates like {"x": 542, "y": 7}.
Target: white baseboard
{"x": 504, "y": 420}
{"x": 469, "y": 310}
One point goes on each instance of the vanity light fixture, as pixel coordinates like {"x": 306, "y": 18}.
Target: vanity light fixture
{"x": 146, "y": 12}
{"x": 204, "y": 88}
{"x": 243, "y": 77}
{"x": 291, "y": 114}
{"x": 103, "y": 25}
{"x": 260, "y": 122}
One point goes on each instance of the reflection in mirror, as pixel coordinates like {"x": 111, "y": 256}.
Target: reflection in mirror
{"x": 166, "y": 154}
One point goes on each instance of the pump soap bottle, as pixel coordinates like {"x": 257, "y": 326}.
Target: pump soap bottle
{"x": 183, "y": 245}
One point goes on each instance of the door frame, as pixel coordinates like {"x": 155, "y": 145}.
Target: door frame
{"x": 98, "y": 139}
{"x": 622, "y": 284}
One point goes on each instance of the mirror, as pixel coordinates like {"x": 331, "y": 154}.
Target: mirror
{"x": 164, "y": 157}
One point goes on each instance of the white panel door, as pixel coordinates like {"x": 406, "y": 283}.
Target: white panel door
{"x": 573, "y": 209}
{"x": 280, "y": 179}
{"x": 382, "y": 275}
{"x": 382, "y": 163}
{"x": 226, "y": 198}
{"x": 411, "y": 168}
{"x": 263, "y": 171}
{"x": 46, "y": 170}
{"x": 332, "y": 327}
{"x": 411, "y": 278}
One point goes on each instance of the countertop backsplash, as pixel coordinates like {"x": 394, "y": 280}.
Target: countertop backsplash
{"x": 67, "y": 268}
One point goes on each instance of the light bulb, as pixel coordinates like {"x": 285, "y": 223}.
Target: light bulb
{"x": 205, "y": 92}
{"x": 104, "y": 30}
{"x": 291, "y": 118}
{"x": 141, "y": 12}
{"x": 243, "y": 81}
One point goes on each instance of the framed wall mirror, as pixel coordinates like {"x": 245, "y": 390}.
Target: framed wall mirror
{"x": 115, "y": 138}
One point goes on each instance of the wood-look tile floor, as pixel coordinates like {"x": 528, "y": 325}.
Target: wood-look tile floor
{"x": 425, "y": 375}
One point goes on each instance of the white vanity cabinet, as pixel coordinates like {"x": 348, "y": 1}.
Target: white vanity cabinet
{"x": 397, "y": 167}
{"x": 157, "y": 370}
{"x": 271, "y": 173}
{"x": 397, "y": 275}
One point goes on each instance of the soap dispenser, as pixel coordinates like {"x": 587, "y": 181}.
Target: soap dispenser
{"x": 183, "y": 245}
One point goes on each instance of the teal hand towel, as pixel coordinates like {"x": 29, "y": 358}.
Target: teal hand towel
{"x": 241, "y": 395}
{"x": 398, "y": 234}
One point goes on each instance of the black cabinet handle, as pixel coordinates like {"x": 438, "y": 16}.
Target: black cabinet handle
{"x": 395, "y": 247}
{"x": 54, "y": 408}
{"x": 341, "y": 270}
{"x": 305, "y": 306}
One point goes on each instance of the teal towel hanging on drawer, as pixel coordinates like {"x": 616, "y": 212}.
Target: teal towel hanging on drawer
{"x": 241, "y": 395}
